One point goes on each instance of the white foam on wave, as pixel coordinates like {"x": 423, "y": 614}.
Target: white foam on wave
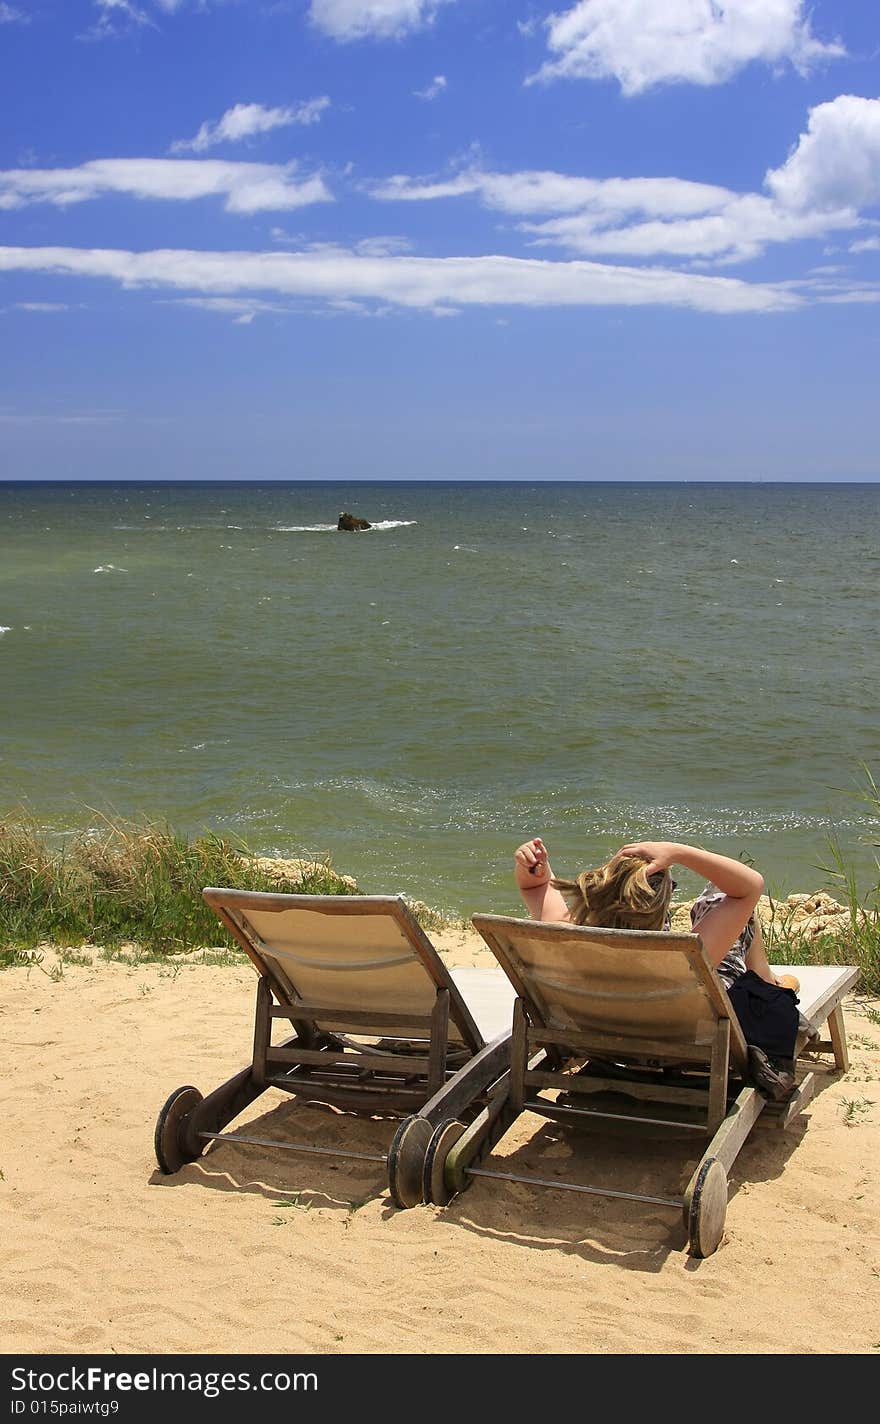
{"x": 303, "y": 528}
{"x": 380, "y": 524}
{"x": 4, "y": 629}
{"x": 109, "y": 568}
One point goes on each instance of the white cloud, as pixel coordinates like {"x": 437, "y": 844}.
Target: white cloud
{"x": 11, "y": 15}
{"x": 542, "y": 191}
{"x": 116, "y": 17}
{"x": 738, "y": 230}
{"x": 641, "y": 43}
{"x": 628, "y": 217}
{"x": 45, "y": 307}
{"x": 381, "y": 19}
{"x": 241, "y": 309}
{"x": 401, "y": 189}
{"x": 245, "y": 120}
{"x": 432, "y": 90}
{"x": 869, "y": 244}
{"x": 833, "y": 172}
{"x": 246, "y": 187}
{"x": 836, "y": 163}
{"x": 391, "y": 246}
{"x": 422, "y": 283}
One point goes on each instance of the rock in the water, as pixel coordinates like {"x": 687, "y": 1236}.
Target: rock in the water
{"x": 351, "y": 521}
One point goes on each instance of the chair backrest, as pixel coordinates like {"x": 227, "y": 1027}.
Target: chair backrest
{"x": 643, "y": 985}
{"x": 364, "y": 953}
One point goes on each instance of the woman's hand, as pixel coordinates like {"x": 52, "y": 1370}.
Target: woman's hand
{"x": 659, "y": 854}
{"x": 531, "y": 863}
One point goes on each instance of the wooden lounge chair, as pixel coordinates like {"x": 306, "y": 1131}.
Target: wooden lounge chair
{"x": 632, "y": 1026}
{"x": 380, "y": 1027}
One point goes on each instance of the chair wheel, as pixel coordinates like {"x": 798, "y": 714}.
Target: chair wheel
{"x": 167, "y": 1137}
{"x": 433, "y": 1184}
{"x": 406, "y": 1160}
{"x": 707, "y": 1208}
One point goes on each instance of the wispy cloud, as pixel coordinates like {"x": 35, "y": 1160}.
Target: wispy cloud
{"x": 641, "y": 43}
{"x": 245, "y": 121}
{"x": 243, "y": 310}
{"x": 245, "y": 187}
{"x": 432, "y": 90}
{"x": 421, "y": 283}
{"x": 378, "y": 19}
{"x": 11, "y": 15}
{"x": 824, "y": 186}
{"x": 117, "y": 17}
{"x": 44, "y": 307}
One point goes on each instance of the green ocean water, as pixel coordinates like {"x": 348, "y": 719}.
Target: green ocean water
{"x": 590, "y": 662}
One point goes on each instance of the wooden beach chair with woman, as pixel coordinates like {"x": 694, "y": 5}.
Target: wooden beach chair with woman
{"x": 630, "y": 1025}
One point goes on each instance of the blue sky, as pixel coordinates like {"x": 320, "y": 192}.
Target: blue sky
{"x": 421, "y": 239}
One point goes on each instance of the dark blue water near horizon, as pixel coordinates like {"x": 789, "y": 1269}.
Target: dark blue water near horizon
{"x": 588, "y": 661}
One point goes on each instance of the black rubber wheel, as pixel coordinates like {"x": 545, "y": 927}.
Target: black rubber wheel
{"x": 406, "y": 1160}
{"x": 166, "y": 1138}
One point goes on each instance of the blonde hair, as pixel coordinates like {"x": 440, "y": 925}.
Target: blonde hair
{"x": 619, "y": 895}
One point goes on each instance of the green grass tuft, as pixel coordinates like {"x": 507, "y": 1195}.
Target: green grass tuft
{"x": 127, "y": 884}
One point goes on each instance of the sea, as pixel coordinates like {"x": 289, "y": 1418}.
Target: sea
{"x": 588, "y": 662}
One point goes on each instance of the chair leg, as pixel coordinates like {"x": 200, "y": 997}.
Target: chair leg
{"x": 837, "y": 1030}
{"x": 262, "y": 1029}
{"x": 718, "y": 1071}
{"x": 439, "y": 1044}
{"x": 518, "y": 1058}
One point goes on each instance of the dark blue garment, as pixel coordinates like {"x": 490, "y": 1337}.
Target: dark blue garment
{"x": 768, "y": 1015}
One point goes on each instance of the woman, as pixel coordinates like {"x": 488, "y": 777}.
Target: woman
{"x": 633, "y": 890}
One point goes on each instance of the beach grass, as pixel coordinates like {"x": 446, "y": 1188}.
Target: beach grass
{"x": 126, "y": 884}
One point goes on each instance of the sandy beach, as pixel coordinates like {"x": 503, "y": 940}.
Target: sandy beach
{"x": 252, "y": 1251}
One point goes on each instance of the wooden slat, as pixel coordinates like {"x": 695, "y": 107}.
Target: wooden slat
{"x": 583, "y": 1045}
{"x": 370, "y": 1094}
{"x": 397, "y": 1062}
{"x": 735, "y": 1128}
{"x": 590, "y": 1114}
{"x": 355, "y": 1020}
{"x": 649, "y": 1092}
